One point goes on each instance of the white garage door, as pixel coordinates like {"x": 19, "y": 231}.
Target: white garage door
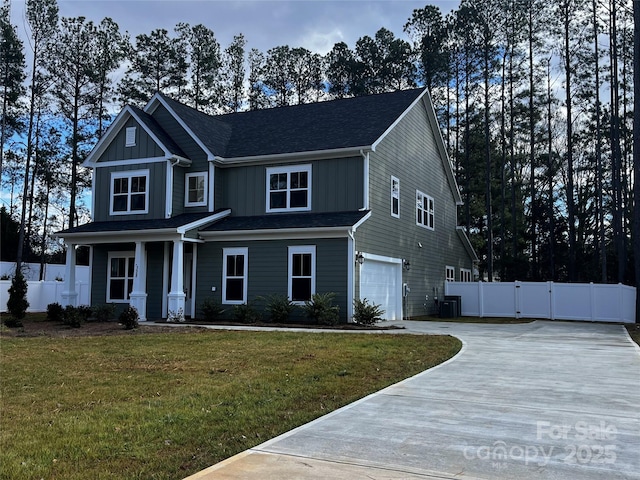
{"x": 381, "y": 283}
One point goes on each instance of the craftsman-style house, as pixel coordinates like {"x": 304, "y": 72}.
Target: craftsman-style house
{"x": 352, "y": 196}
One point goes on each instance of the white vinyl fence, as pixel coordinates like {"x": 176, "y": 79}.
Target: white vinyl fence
{"x": 554, "y": 301}
{"x": 42, "y": 293}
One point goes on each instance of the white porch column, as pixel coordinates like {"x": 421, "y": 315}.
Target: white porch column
{"x": 138, "y": 295}
{"x": 176, "y": 295}
{"x": 69, "y": 294}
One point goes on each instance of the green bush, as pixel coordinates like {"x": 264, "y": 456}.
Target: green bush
{"x": 245, "y": 313}
{"x": 279, "y": 308}
{"x": 129, "y": 318}
{"x": 73, "y": 316}
{"x": 104, "y": 312}
{"x": 55, "y": 312}
{"x": 17, "y": 304}
{"x": 85, "y": 312}
{"x": 211, "y": 310}
{"x": 366, "y": 313}
{"x": 320, "y": 309}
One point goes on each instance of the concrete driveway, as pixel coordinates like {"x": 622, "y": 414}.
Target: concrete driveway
{"x": 544, "y": 400}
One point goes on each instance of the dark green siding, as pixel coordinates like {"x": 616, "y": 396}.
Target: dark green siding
{"x": 155, "y": 266}
{"x": 337, "y": 185}
{"x": 157, "y": 191}
{"x": 268, "y": 269}
{"x": 409, "y": 153}
{"x": 145, "y": 146}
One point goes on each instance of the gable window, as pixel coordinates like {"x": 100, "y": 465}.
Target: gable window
{"x": 195, "y": 189}
{"x": 130, "y": 137}
{"x": 129, "y": 192}
{"x": 289, "y": 188}
{"x": 465, "y": 275}
{"x": 395, "y": 197}
{"x": 450, "y": 274}
{"x": 234, "y": 276}
{"x": 302, "y": 273}
{"x": 120, "y": 276}
{"x": 424, "y": 210}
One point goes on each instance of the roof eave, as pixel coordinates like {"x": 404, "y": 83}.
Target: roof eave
{"x": 309, "y": 155}
{"x": 462, "y": 233}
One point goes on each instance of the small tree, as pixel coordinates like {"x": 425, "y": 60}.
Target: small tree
{"x": 17, "y": 304}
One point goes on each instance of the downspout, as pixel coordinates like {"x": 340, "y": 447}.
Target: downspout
{"x": 169, "y": 187}
{"x": 351, "y": 266}
{"x": 365, "y": 189}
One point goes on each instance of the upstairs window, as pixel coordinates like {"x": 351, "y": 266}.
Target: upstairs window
{"x": 289, "y": 188}
{"x": 129, "y": 192}
{"x": 424, "y": 210}
{"x": 130, "y": 137}
{"x": 302, "y": 273}
{"x": 395, "y": 197}
{"x": 196, "y": 189}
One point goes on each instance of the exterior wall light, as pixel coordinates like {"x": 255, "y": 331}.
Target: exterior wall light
{"x": 359, "y": 258}
{"x": 406, "y": 264}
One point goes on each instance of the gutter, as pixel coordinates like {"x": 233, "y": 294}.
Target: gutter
{"x": 283, "y": 157}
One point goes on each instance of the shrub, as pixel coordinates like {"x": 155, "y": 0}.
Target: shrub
{"x": 73, "y": 316}
{"x": 211, "y": 310}
{"x": 245, "y": 313}
{"x": 85, "y": 312}
{"x": 104, "y": 312}
{"x": 320, "y": 309}
{"x": 366, "y": 313}
{"x": 279, "y": 308}
{"x": 55, "y": 312}
{"x": 17, "y": 304}
{"x": 129, "y": 318}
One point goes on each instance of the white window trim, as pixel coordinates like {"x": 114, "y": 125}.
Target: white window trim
{"x": 203, "y": 203}
{"x": 395, "y": 196}
{"x": 235, "y": 251}
{"x": 126, "y": 256}
{"x": 465, "y": 275}
{"x": 426, "y": 211}
{"x": 288, "y": 170}
{"x": 130, "y": 137}
{"x": 297, "y": 250}
{"x": 129, "y": 174}
{"x": 450, "y": 273}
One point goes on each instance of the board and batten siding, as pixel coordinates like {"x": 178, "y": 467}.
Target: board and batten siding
{"x": 156, "y": 191}
{"x": 409, "y": 153}
{"x": 337, "y": 186}
{"x": 268, "y": 270}
{"x": 145, "y": 146}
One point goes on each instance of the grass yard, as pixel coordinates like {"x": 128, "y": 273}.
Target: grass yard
{"x": 165, "y": 405}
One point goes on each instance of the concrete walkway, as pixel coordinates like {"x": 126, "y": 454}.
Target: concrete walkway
{"x": 544, "y": 400}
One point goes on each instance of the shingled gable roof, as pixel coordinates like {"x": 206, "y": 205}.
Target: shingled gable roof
{"x": 333, "y": 125}
{"x": 148, "y": 123}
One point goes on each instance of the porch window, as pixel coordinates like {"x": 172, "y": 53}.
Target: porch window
{"x": 129, "y": 192}
{"x": 302, "y": 273}
{"x": 424, "y": 210}
{"x": 120, "y": 276}
{"x": 196, "y": 189}
{"x": 289, "y": 188}
{"x": 234, "y": 281}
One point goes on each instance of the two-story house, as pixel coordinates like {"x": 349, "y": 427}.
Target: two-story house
{"x": 352, "y": 196}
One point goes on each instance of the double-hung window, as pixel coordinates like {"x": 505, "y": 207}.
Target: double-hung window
{"x": 234, "y": 276}
{"x": 450, "y": 273}
{"x": 465, "y": 275}
{"x": 395, "y": 197}
{"x": 120, "y": 276}
{"x": 196, "y": 189}
{"x": 424, "y": 210}
{"x": 129, "y": 192}
{"x": 302, "y": 273}
{"x": 289, "y": 188}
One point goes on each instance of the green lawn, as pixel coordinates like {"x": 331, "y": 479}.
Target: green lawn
{"x": 165, "y": 405}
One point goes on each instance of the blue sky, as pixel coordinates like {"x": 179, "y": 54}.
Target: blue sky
{"x": 313, "y": 24}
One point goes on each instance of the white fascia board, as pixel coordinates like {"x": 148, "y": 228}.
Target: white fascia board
{"x": 462, "y": 233}
{"x": 398, "y": 120}
{"x": 153, "y": 104}
{"x": 360, "y": 222}
{"x": 120, "y": 236}
{"x": 135, "y": 161}
{"x": 293, "y": 156}
{"x": 107, "y": 137}
{"x": 277, "y": 234}
{"x": 203, "y": 221}
{"x": 381, "y": 258}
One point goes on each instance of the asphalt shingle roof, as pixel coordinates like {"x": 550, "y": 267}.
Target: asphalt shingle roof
{"x": 159, "y": 132}
{"x": 343, "y": 123}
{"x": 287, "y": 220}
